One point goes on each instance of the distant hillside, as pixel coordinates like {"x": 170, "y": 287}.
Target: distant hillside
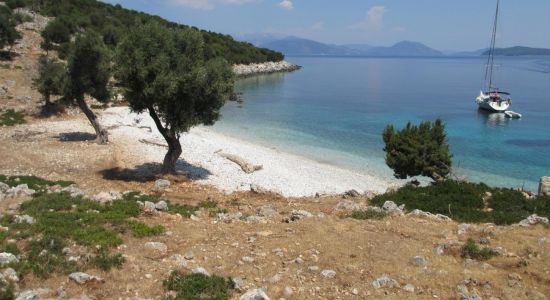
{"x": 519, "y": 51}
{"x": 295, "y": 46}
{"x": 469, "y": 53}
{"x": 404, "y": 48}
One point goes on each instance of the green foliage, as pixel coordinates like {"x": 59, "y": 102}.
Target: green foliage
{"x": 472, "y": 250}
{"x": 88, "y": 69}
{"x": 463, "y": 202}
{"x": 198, "y": 286}
{"x": 11, "y": 117}
{"x": 141, "y": 230}
{"x": 52, "y": 78}
{"x": 208, "y": 204}
{"x": 8, "y": 34}
{"x": 183, "y": 209}
{"x": 6, "y": 291}
{"x": 33, "y": 182}
{"x": 57, "y": 31}
{"x": 368, "y": 215}
{"x": 418, "y": 150}
{"x": 13, "y": 4}
{"x": 106, "y": 262}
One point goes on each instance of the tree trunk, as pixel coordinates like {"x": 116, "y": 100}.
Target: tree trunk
{"x": 174, "y": 145}
{"x": 101, "y": 133}
{"x": 172, "y": 156}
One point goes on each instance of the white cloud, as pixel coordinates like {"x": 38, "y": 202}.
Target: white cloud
{"x": 374, "y": 20}
{"x": 196, "y": 4}
{"x": 286, "y": 4}
{"x": 318, "y": 26}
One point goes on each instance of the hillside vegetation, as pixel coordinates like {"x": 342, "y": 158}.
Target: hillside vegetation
{"x": 113, "y": 21}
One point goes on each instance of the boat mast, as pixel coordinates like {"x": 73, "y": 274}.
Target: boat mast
{"x": 491, "y": 58}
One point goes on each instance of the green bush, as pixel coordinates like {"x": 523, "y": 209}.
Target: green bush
{"x": 368, "y": 215}
{"x": 11, "y": 117}
{"x": 33, "y": 182}
{"x": 106, "y": 262}
{"x": 142, "y": 230}
{"x": 198, "y": 286}
{"x": 472, "y": 250}
{"x": 463, "y": 201}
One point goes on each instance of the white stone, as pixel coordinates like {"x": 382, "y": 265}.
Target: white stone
{"x": 533, "y": 220}
{"x": 28, "y": 295}
{"x": 162, "y": 184}
{"x": 255, "y": 294}
{"x": 7, "y": 258}
{"x": 200, "y": 270}
{"x": 83, "y": 278}
{"x": 328, "y": 273}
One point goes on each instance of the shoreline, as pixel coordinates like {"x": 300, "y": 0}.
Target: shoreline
{"x": 245, "y": 70}
{"x": 204, "y": 160}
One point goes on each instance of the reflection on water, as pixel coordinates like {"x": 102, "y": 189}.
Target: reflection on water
{"x": 264, "y": 80}
{"x": 491, "y": 119}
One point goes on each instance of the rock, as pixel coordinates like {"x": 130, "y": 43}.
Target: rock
{"x": 463, "y": 228}
{"x": 544, "y": 186}
{"x": 328, "y": 273}
{"x": 238, "y": 283}
{"x": 161, "y": 205}
{"x": 418, "y": 261}
{"x": 7, "y": 258}
{"x": 228, "y": 217}
{"x": 73, "y": 191}
{"x": 266, "y": 211}
{"x": 263, "y": 68}
{"x": 350, "y": 205}
{"x": 83, "y": 278}
{"x": 298, "y": 214}
{"x": 258, "y": 189}
{"x": 385, "y": 282}
{"x": 189, "y": 255}
{"x": 24, "y": 219}
{"x": 313, "y": 268}
{"x": 275, "y": 278}
{"x": 247, "y": 259}
{"x": 255, "y": 294}
{"x": 162, "y": 184}
{"x": 287, "y": 292}
{"x": 155, "y": 250}
{"x": 355, "y": 291}
{"x": 11, "y": 275}
{"x": 352, "y": 193}
{"x": 256, "y": 219}
{"x": 391, "y": 207}
{"x": 180, "y": 261}
{"x": 21, "y": 190}
{"x": 535, "y": 295}
{"x": 149, "y": 208}
{"x": 533, "y": 220}
{"x": 409, "y": 288}
{"x": 200, "y": 270}
{"x": 3, "y": 187}
{"x": 428, "y": 215}
{"x": 105, "y": 197}
{"x": 28, "y": 295}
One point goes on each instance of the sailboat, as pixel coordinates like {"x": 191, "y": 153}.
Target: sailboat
{"x": 491, "y": 98}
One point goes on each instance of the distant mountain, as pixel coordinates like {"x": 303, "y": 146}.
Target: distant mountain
{"x": 519, "y": 51}
{"x": 258, "y": 39}
{"x": 294, "y": 46}
{"x": 405, "y": 48}
{"x": 359, "y": 47}
{"x": 469, "y": 53}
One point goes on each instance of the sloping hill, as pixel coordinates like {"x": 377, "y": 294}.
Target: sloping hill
{"x": 405, "y": 48}
{"x": 301, "y": 47}
{"x": 519, "y": 51}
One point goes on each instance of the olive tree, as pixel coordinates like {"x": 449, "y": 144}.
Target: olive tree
{"x": 418, "y": 150}
{"x": 88, "y": 74}
{"x": 164, "y": 72}
{"x": 8, "y": 33}
{"x": 51, "y": 79}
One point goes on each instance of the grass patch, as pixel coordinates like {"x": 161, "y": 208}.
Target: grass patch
{"x": 5, "y": 67}
{"x": 198, "y": 286}
{"x": 472, "y": 250}
{"x": 463, "y": 202}
{"x": 35, "y": 183}
{"x": 106, "y": 262}
{"x": 214, "y": 212}
{"x": 182, "y": 209}
{"x": 6, "y": 291}
{"x": 11, "y": 117}
{"x": 141, "y": 230}
{"x": 368, "y": 215}
{"x": 208, "y": 204}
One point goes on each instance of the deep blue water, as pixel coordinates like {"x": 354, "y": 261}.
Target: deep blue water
{"x": 335, "y": 109}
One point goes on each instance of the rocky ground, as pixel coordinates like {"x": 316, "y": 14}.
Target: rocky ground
{"x": 292, "y": 248}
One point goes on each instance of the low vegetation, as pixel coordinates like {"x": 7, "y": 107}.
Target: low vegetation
{"x": 473, "y": 251}
{"x": 368, "y": 215}
{"x": 11, "y": 117}
{"x": 198, "y": 286}
{"x": 468, "y": 202}
{"x": 33, "y": 182}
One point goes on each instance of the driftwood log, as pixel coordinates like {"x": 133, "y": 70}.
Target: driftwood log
{"x": 247, "y": 167}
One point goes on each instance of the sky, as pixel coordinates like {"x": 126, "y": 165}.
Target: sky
{"x": 442, "y": 24}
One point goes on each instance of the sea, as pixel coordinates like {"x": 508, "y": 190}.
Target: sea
{"x": 334, "y": 110}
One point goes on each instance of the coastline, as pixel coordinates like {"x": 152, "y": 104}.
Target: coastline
{"x": 244, "y": 70}
{"x": 205, "y": 160}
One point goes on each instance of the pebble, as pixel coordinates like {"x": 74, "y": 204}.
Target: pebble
{"x": 83, "y": 278}
{"x": 247, "y": 259}
{"x": 409, "y": 288}
{"x": 254, "y": 294}
{"x": 162, "y": 184}
{"x": 418, "y": 261}
{"x": 385, "y": 282}
{"x": 328, "y": 273}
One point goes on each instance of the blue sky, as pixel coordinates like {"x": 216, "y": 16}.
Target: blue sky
{"x": 442, "y": 24}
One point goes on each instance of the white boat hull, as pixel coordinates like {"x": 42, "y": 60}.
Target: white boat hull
{"x": 485, "y": 102}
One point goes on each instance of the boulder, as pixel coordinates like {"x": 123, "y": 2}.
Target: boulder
{"x": 161, "y": 205}
{"x": 4, "y": 187}
{"x": 385, "y": 282}
{"x": 21, "y": 190}
{"x": 533, "y": 220}
{"x": 73, "y": 191}
{"x": 149, "y": 208}
{"x": 162, "y": 184}
{"x": 328, "y": 273}
{"x": 7, "y": 258}
{"x": 352, "y": 193}
{"x": 266, "y": 211}
{"x": 28, "y": 295}
{"x": 83, "y": 278}
{"x": 298, "y": 214}
{"x": 24, "y": 219}
{"x": 155, "y": 250}
{"x": 391, "y": 207}
{"x": 544, "y": 186}
{"x": 105, "y": 197}
{"x": 418, "y": 261}
{"x": 254, "y": 294}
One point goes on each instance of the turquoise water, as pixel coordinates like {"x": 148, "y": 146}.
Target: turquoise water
{"x": 335, "y": 109}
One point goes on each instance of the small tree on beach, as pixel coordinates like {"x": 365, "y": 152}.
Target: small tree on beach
{"x": 88, "y": 74}
{"x": 164, "y": 71}
{"x": 418, "y": 150}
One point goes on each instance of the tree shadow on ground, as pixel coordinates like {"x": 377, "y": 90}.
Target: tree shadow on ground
{"x": 76, "y": 137}
{"x": 151, "y": 171}
{"x": 50, "y": 110}
{"x": 7, "y": 55}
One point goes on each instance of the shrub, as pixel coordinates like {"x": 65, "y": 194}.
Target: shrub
{"x": 418, "y": 150}
{"x": 198, "y": 286}
{"x": 11, "y": 117}
{"x": 142, "y": 230}
{"x": 368, "y": 214}
{"x": 106, "y": 262}
{"x": 472, "y": 250}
